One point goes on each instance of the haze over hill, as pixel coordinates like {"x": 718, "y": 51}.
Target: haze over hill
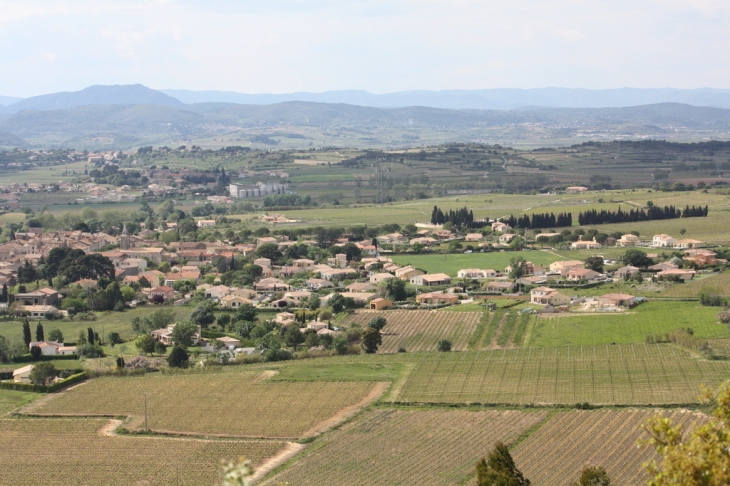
{"x": 488, "y": 99}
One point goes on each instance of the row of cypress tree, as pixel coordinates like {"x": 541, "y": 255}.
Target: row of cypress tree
{"x": 594, "y": 216}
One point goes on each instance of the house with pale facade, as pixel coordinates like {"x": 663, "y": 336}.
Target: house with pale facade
{"x": 548, "y": 296}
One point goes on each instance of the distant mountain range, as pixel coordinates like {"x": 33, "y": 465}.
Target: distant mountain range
{"x": 483, "y": 99}
{"x": 132, "y": 114}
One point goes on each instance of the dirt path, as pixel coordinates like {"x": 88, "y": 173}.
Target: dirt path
{"x": 290, "y": 450}
{"x": 401, "y": 382}
{"x": 266, "y": 375}
{"x": 110, "y": 428}
{"x": 31, "y": 407}
{"x": 493, "y": 343}
{"x": 378, "y": 390}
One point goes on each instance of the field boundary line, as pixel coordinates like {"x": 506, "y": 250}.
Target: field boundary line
{"x": 376, "y": 392}
{"x": 397, "y": 387}
{"x": 290, "y": 450}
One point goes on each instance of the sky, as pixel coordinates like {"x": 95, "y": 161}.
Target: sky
{"x": 283, "y": 46}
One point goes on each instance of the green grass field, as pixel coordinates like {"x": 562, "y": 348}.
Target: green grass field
{"x": 630, "y": 327}
{"x": 105, "y": 323}
{"x": 450, "y": 264}
{"x": 11, "y": 399}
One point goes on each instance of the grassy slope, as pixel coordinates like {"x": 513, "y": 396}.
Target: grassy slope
{"x": 631, "y": 327}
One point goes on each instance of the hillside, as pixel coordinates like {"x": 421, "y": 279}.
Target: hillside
{"x": 133, "y": 94}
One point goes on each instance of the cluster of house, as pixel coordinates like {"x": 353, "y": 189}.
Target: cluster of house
{"x": 554, "y": 300}
{"x": 630, "y": 240}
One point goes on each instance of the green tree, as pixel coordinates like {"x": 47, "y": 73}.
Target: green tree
{"x": 699, "y": 458}
{"x": 443, "y": 346}
{"x": 293, "y": 336}
{"x": 145, "y": 344}
{"x": 203, "y": 316}
{"x": 518, "y": 267}
{"x": 499, "y": 469}
{"x": 160, "y": 348}
{"x": 337, "y": 302}
{"x": 371, "y": 340}
{"x": 55, "y": 335}
{"x": 183, "y": 333}
{"x": 178, "y": 357}
{"x": 39, "y": 334}
{"x": 377, "y": 323}
{"x": 43, "y": 374}
{"x": 351, "y": 251}
{"x": 636, "y": 258}
{"x": 270, "y": 251}
{"x": 594, "y": 263}
{"x": 162, "y": 318}
{"x": 35, "y": 352}
{"x": 593, "y": 476}
{"x": 114, "y": 338}
{"x": 246, "y": 312}
{"x": 314, "y": 302}
{"x": 90, "y": 335}
{"x": 26, "y": 333}
{"x": 395, "y": 289}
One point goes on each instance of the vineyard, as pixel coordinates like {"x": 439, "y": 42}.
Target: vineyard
{"x": 630, "y": 327}
{"x": 570, "y": 441}
{"x": 73, "y": 451}
{"x": 387, "y": 446}
{"x": 420, "y": 330}
{"x": 620, "y": 374}
{"x": 226, "y": 403}
{"x": 719, "y": 282}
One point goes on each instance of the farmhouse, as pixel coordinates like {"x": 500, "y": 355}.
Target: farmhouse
{"x": 585, "y": 245}
{"x": 562, "y": 267}
{"x": 506, "y": 238}
{"x": 53, "y": 348}
{"x": 39, "y": 310}
{"x": 319, "y": 283}
{"x": 431, "y": 280}
{"x": 576, "y": 274}
{"x": 617, "y": 300}
{"x": 626, "y": 272}
{"x": 548, "y": 296}
{"x": 628, "y": 240}
{"x": 44, "y": 296}
{"x": 380, "y": 304}
{"x": 476, "y": 273}
{"x": 689, "y": 243}
{"x": 576, "y": 189}
{"x": 22, "y": 375}
{"x": 164, "y": 335}
{"x": 163, "y": 293}
{"x": 499, "y": 286}
{"x": 360, "y": 287}
{"x": 677, "y": 272}
{"x": 405, "y": 273}
{"x": 380, "y": 277}
{"x": 663, "y": 240}
{"x": 663, "y": 266}
{"x": 500, "y": 227}
{"x": 473, "y": 237}
{"x": 234, "y": 301}
{"x": 437, "y": 298}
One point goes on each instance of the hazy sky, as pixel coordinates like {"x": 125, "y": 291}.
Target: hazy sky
{"x": 278, "y": 46}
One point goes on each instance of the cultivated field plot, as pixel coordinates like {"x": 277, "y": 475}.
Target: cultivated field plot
{"x": 420, "y": 330}
{"x": 452, "y": 263}
{"x": 570, "y": 441}
{"x": 630, "y": 327}
{"x": 719, "y": 282}
{"x": 387, "y": 447}
{"x": 226, "y": 403}
{"x": 623, "y": 374}
{"x": 74, "y": 451}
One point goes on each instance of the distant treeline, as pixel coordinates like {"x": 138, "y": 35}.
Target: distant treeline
{"x": 540, "y": 220}
{"x": 667, "y": 212}
{"x": 460, "y": 217}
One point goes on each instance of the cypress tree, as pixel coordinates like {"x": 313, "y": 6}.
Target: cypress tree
{"x": 90, "y": 333}
{"x": 39, "y": 334}
{"x": 26, "y": 333}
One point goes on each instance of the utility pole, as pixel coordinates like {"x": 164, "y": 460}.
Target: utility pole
{"x": 146, "y": 427}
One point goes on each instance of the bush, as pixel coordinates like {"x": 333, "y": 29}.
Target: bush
{"x": 35, "y": 352}
{"x": 43, "y": 374}
{"x": 443, "y": 346}
{"x": 276, "y": 355}
{"x": 178, "y": 357}
{"x": 88, "y": 350}
{"x": 55, "y": 335}
{"x": 160, "y": 348}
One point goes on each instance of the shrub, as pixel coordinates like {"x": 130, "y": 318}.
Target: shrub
{"x": 35, "y": 352}
{"x": 276, "y": 355}
{"x": 444, "y": 345}
{"x": 43, "y": 374}
{"x": 137, "y": 363}
{"x": 88, "y": 350}
{"x": 160, "y": 348}
{"x": 377, "y": 323}
{"x": 178, "y": 357}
